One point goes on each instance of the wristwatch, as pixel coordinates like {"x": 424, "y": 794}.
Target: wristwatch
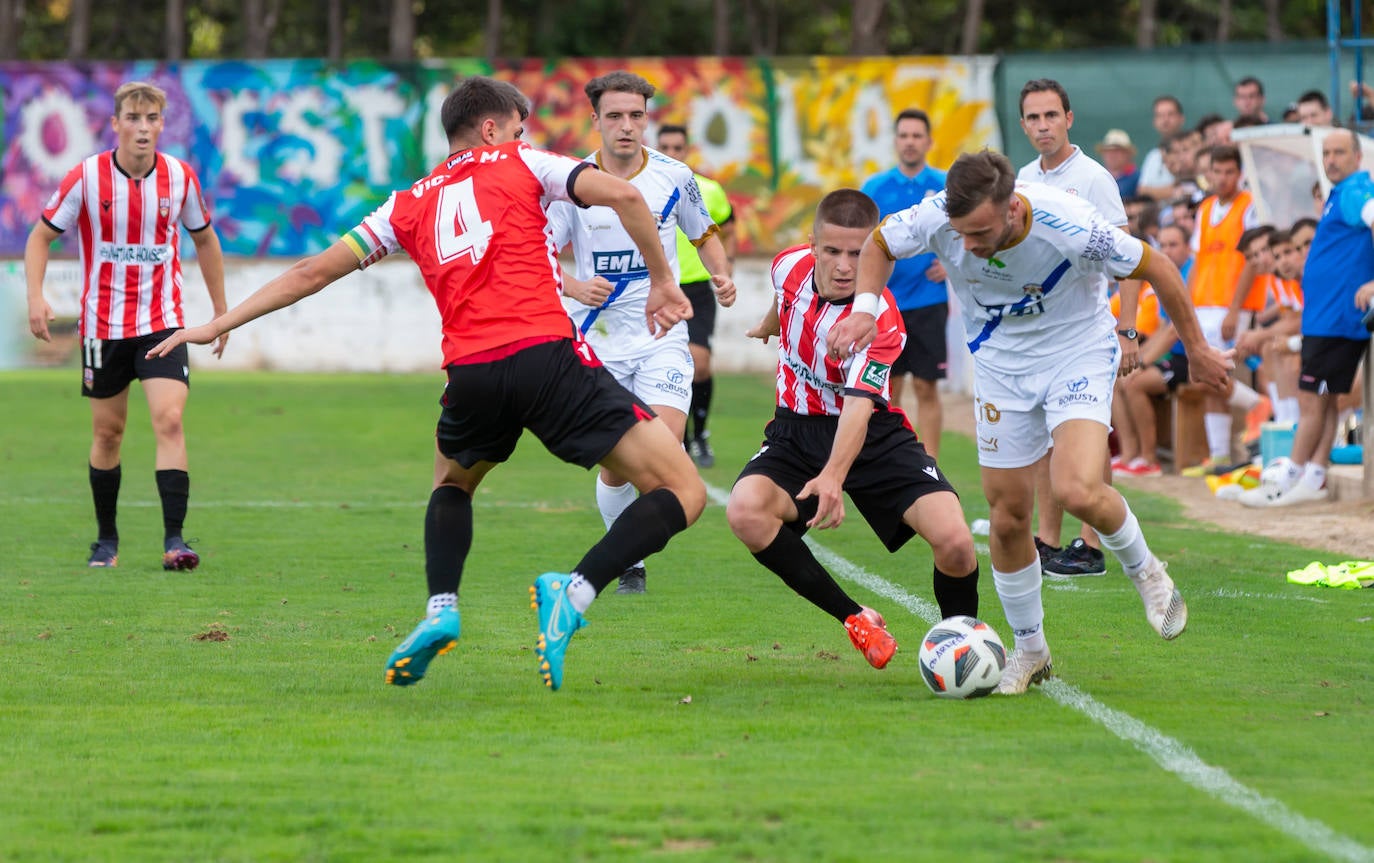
{"x": 1129, "y": 333}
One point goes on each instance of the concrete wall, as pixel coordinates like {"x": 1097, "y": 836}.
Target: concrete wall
{"x": 379, "y": 320}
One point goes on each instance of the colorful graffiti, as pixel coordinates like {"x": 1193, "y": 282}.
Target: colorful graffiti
{"x": 293, "y": 153}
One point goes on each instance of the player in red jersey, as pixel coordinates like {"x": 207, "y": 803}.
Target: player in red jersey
{"x": 126, "y": 205}
{"x": 834, "y": 431}
{"x": 476, "y": 229}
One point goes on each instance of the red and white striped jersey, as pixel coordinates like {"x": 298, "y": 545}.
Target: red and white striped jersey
{"x": 128, "y": 241}
{"x": 810, "y": 381}
{"x": 477, "y": 230}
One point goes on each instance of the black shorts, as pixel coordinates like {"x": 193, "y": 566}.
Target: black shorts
{"x": 702, "y": 323}
{"x": 1329, "y": 363}
{"x": 108, "y": 366}
{"x": 893, "y": 469}
{"x": 926, "y": 354}
{"x": 571, "y": 403}
{"x": 1174, "y": 368}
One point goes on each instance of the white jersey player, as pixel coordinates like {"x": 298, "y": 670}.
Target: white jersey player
{"x": 606, "y": 296}
{"x": 1025, "y": 262}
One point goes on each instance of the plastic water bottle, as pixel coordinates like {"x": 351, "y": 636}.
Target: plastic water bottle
{"x": 1253, "y": 362}
{"x": 980, "y": 527}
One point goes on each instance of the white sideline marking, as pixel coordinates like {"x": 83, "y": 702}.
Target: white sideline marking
{"x": 1171, "y": 754}
{"x": 1232, "y": 593}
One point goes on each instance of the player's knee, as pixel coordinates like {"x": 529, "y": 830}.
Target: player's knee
{"x": 953, "y": 551}
{"x": 691, "y": 495}
{"x": 1079, "y": 496}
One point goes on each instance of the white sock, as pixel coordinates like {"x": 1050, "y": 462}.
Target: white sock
{"x": 1294, "y": 472}
{"x": 439, "y": 601}
{"x": 1128, "y": 544}
{"x": 580, "y": 593}
{"x": 1273, "y": 390}
{"x": 612, "y": 500}
{"x": 1218, "y": 427}
{"x": 1025, "y": 612}
{"x": 1243, "y": 397}
{"x": 1313, "y": 475}
{"x": 1286, "y": 411}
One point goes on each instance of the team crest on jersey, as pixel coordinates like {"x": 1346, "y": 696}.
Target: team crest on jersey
{"x": 164, "y": 206}
{"x": 875, "y": 374}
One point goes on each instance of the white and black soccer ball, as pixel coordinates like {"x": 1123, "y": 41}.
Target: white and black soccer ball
{"x": 962, "y": 657}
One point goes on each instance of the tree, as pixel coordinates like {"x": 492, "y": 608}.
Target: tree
{"x": 402, "y": 42}
{"x": 259, "y": 20}
{"x": 865, "y": 36}
{"x": 174, "y": 38}
{"x": 1147, "y": 24}
{"x": 79, "y": 29}
{"x": 973, "y": 24}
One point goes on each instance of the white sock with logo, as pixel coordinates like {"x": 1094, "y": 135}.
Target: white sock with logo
{"x": 1025, "y": 612}
{"x": 1313, "y": 475}
{"x": 1128, "y": 544}
{"x": 580, "y": 593}
{"x": 439, "y": 601}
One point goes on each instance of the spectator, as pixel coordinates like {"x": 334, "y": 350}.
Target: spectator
{"x": 1281, "y": 320}
{"x": 1313, "y": 109}
{"x": 1334, "y": 340}
{"x": 1118, "y": 154}
{"x": 1155, "y": 179}
{"x": 1164, "y": 367}
{"x": 1248, "y": 98}
{"x": 1142, "y": 218}
{"x": 1214, "y": 129}
{"x": 1290, "y": 114}
{"x": 1222, "y": 217}
{"x": 918, "y": 283}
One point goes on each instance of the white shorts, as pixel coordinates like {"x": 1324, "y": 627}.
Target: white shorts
{"x": 1210, "y": 318}
{"x": 1017, "y": 414}
{"x": 661, "y": 376}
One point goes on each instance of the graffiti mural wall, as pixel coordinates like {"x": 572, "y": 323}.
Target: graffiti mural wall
{"x": 292, "y": 153}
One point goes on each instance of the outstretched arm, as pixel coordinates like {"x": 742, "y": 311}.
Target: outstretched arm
{"x": 306, "y": 277}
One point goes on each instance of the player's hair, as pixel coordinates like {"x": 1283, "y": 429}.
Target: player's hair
{"x": 1278, "y": 237}
{"x": 1173, "y": 100}
{"x": 912, "y": 114}
{"x": 1248, "y": 80}
{"x": 139, "y": 91}
{"x": 477, "y": 99}
{"x": 673, "y": 129}
{"x": 1304, "y": 222}
{"x": 1314, "y": 96}
{"x": 1226, "y": 153}
{"x": 975, "y": 178}
{"x": 847, "y": 208}
{"x": 1042, "y": 85}
{"x": 1248, "y": 237}
{"x": 619, "y": 81}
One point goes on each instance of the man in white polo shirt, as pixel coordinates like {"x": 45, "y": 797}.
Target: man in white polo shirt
{"x": 1046, "y": 119}
{"x": 1025, "y": 262}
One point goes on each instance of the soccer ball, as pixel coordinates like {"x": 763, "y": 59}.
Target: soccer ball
{"x": 962, "y": 657}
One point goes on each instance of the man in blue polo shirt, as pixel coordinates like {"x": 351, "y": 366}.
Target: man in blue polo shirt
{"x": 918, "y": 282}
{"x": 1334, "y": 339}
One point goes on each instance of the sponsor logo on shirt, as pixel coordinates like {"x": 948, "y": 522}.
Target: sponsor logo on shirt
{"x": 875, "y": 374}
{"x": 133, "y": 253}
{"x": 809, "y": 376}
{"x": 623, "y": 262}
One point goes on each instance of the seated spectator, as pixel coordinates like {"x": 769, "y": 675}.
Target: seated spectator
{"x": 1163, "y": 366}
{"x": 1290, "y": 114}
{"x": 1142, "y": 218}
{"x": 1118, "y": 157}
{"x": 1214, "y": 129}
{"x": 1246, "y": 120}
{"x": 1277, "y": 341}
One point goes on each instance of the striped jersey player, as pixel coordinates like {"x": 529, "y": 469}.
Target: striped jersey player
{"x": 834, "y": 433}
{"x": 127, "y": 206}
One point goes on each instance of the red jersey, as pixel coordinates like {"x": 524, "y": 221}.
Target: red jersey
{"x": 476, "y": 229}
{"x": 128, "y": 241}
{"x": 810, "y": 381}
